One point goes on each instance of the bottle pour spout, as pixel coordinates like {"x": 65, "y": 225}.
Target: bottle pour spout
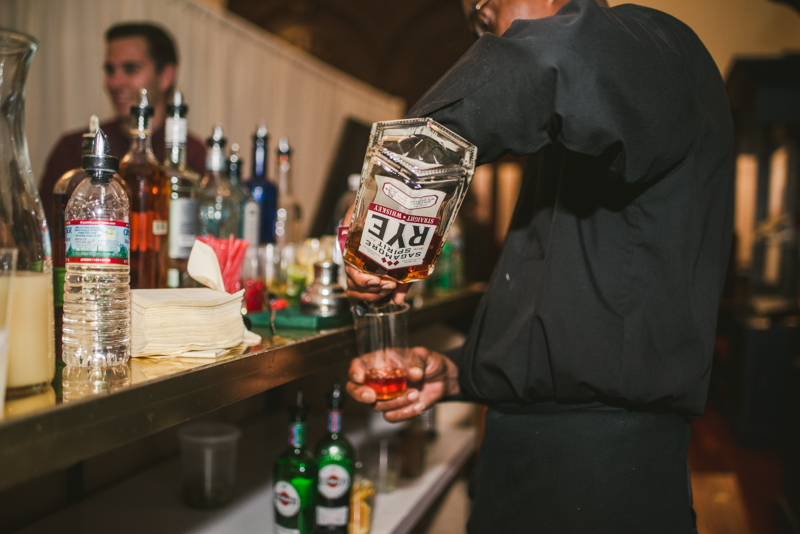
{"x": 100, "y": 158}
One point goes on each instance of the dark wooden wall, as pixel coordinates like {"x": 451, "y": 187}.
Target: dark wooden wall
{"x": 399, "y": 46}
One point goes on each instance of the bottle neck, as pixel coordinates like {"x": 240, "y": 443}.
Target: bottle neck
{"x": 284, "y": 175}
{"x": 334, "y": 421}
{"x": 297, "y": 434}
{"x": 175, "y": 141}
{"x": 260, "y": 158}
{"x": 215, "y": 161}
{"x": 141, "y": 135}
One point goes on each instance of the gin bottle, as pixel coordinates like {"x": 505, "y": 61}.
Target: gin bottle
{"x": 264, "y": 191}
{"x": 334, "y": 459}
{"x": 249, "y": 211}
{"x": 219, "y": 211}
{"x": 293, "y": 479}
{"x": 288, "y": 219}
{"x": 149, "y": 195}
{"x": 184, "y": 207}
{"x": 97, "y": 282}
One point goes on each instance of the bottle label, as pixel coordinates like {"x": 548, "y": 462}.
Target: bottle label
{"x": 283, "y": 530}
{"x": 297, "y": 434}
{"x": 58, "y": 285}
{"x": 160, "y": 227}
{"x": 400, "y": 224}
{"x": 332, "y": 516}
{"x": 251, "y": 217}
{"x": 285, "y": 498}
{"x": 175, "y": 132}
{"x": 184, "y": 217}
{"x": 333, "y": 481}
{"x": 334, "y": 421}
{"x": 98, "y": 242}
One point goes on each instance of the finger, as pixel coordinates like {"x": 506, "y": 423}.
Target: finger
{"x": 357, "y": 371}
{"x": 400, "y": 294}
{"x": 403, "y": 414}
{"x": 408, "y": 397}
{"x": 360, "y": 279}
{"x": 361, "y": 393}
{"x": 366, "y": 297}
{"x": 415, "y": 374}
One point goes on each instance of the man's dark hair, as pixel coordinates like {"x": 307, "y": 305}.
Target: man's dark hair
{"x": 160, "y": 46}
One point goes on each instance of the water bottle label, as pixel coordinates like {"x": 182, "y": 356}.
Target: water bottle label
{"x": 103, "y": 242}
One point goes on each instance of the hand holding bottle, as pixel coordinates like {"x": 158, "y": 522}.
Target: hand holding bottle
{"x": 432, "y": 375}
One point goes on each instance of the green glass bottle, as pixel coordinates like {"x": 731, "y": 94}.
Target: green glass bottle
{"x": 293, "y": 478}
{"x": 334, "y": 458}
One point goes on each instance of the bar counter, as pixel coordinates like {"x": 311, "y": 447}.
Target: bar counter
{"x": 55, "y": 427}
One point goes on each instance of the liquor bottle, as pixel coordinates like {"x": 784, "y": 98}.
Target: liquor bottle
{"x": 288, "y": 218}
{"x": 345, "y": 201}
{"x": 149, "y": 194}
{"x": 264, "y": 191}
{"x": 334, "y": 459}
{"x": 293, "y": 478}
{"x": 416, "y": 176}
{"x": 184, "y": 184}
{"x": 97, "y": 283}
{"x": 219, "y": 211}
{"x": 249, "y": 210}
{"x": 62, "y": 192}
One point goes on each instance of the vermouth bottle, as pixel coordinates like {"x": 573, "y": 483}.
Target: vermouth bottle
{"x": 288, "y": 220}
{"x": 184, "y": 185}
{"x": 334, "y": 458}
{"x": 293, "y": 478}
{"x": 219, "y": 211}
{"x": 149, "y": 194}
{"x": 417, "y": 174}
{"x": 249, "y": 211}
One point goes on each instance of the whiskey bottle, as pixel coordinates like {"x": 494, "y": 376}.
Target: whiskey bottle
{"x": 288, "y": 219}
{"x": 62, "y": 191}
{"x": 249, "y": 211}
{"x": 264, "y": 191}
{"x": 149, "y": 195}
{"x": 293, "y": 478}
{"x": 334, "y": 459}
{"x": 416, "y": 176}
{"x": 184, "y": 206}
{"x": 219, "y": 211}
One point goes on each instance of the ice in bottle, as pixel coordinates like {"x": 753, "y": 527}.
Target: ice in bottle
{"x": 149, "y": 195}
{"x": 293, "y": 478}
{"x": 219, "y": 211}
{"x": 97, "y": 282}
{"x": 415, "y": 176}
{"x": 184, "y": 190}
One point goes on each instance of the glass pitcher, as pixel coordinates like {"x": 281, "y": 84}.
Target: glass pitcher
{"x": 414, "y": 179}
{"x": 31, "y": 350}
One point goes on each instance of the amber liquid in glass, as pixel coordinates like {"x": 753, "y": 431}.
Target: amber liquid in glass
{"x": 387, "y": 383}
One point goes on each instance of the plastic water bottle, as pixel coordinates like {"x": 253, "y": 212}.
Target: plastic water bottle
{"x": 97, "y": 317}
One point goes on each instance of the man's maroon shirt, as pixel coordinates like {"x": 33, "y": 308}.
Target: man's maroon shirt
{"x": 66, "y": 155}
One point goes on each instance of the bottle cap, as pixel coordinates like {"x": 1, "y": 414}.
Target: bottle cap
{"x": 335, "y": 397}
{"x": 177, "y": 106}
{"x": 283, "y": 147}
{"x": 261, "y": 131}
{"x": 143, "y": 109}
{"x": 217, "y": 137}
{"x": 101, "y": 158}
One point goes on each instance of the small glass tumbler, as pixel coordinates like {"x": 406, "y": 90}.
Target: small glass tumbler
{"x": 382, "y": 341}
{"x": 8, "y": 264}
{"x": 208, "y": 461}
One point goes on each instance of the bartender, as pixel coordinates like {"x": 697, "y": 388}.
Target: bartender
{"x": 593, "y": 344}
{"x": 137, "y": 56}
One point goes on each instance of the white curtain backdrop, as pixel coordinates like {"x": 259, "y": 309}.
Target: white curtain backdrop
{"x": 230, "y": 72}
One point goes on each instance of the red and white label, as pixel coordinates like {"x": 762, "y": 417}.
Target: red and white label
{"x": 285, "y": 498}
{"x": 98, "y": 242}
{"x": 333, "y": 481}
{"x": 400, "y": 224}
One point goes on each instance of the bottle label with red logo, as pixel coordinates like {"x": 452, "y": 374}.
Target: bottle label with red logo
{"x": 400, "y": 224}
{"x": 98, "y": 242}
{"x": 285, "y": 498}
{"x": 333, "y": 481}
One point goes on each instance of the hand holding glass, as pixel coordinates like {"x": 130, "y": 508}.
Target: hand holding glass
{"x": 382, "y": 340}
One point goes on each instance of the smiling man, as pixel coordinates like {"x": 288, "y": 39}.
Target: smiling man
{"x": 592, "y": 346}
{"x": 138, "y": 56}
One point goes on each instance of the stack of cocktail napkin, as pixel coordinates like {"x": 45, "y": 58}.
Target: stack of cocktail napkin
{"x": 197, "y": 322}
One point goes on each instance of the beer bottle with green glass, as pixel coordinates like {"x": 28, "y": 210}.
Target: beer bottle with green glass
{"x": 334, "y": 456}
{"x": 294, "y": 477}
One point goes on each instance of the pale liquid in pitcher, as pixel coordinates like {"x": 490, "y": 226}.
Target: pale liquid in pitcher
{"x": 31, "y": 349}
